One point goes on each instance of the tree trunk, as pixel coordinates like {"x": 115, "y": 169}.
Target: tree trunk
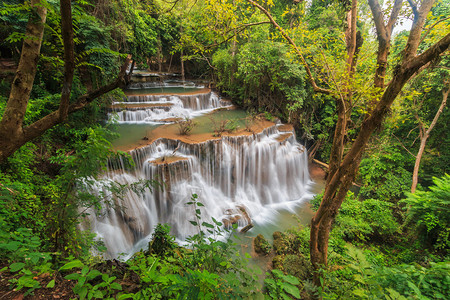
{"x": 182, "y": 66}
{"x": 12, "y": 133}
{"x": 343, "y": 170}
{"x": 340, "y": 180}
{"x": 424, "y": 138}
{"x": 11, "y": 123}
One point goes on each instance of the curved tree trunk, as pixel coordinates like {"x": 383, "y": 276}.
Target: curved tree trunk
{"x": 424, "y": 138}
{"x": 343, "y": 169}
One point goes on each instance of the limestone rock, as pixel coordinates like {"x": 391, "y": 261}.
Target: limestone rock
{"x": 261, "y": 245}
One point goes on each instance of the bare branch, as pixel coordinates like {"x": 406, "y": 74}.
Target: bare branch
{"x": 236, "y": 30}
{"x": 403, "y": 145}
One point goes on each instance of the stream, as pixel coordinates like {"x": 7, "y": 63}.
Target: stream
{"x": 257, "y": 174}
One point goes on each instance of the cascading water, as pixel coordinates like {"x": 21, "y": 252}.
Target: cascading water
{"x": 163, "y": 109}
{"x": 239, "y": 179}
{"x": 254, "y": 174}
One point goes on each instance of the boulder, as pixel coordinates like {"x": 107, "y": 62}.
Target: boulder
{"x": 261, "y": 245}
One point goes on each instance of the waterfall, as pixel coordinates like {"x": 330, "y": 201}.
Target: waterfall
{"x": 161, "y": 109}
{"x": 237, "y": 178}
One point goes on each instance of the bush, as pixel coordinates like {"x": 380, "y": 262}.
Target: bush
{"x": 429, "y": 211}
{"x": 365, "y": 220}
{"x": 186, "y": 126}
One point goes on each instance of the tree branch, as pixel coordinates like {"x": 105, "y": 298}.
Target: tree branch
{"x": 237, "y": 30}
{"x": 414, "y": 8}
{"x": 431, "y": 27}
{"x": 52, "y": 119}
{"x": 434, "y": 51}
{"x": 416, "y": 29}
{"x": 394, "y": 15}
{"x": 290, "y": 41}
{"x": 379, "y": 20}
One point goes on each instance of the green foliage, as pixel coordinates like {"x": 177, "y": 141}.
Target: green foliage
{"x": 384, "y": 172}
{"x": 208, "y": 269}
{"x": 86, "y": 286}
{"x": 361, "y": 279}
{"x": 22, "y": 249}
{"x": 429, "y": 211}
{"x": 362, "y": 220}
{"x": 161, "y": 241}
{"x": 280, "y": 286}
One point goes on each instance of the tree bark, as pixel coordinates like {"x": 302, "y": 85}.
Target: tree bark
{"x": 340, "y": 180}
{"x": 424, "y": 138}
{"x": 12, "y": 133}
{"x": 11, "y": 123}
{"x": 343, "y": 169}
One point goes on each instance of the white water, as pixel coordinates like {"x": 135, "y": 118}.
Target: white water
{"x": 256, "y": 172}
{"x": 165, "y": 107}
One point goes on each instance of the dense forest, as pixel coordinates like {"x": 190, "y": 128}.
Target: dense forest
{"x": 364, "y": 83}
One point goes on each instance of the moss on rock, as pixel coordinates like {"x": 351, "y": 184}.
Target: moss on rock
{"x": 261, "y": 245}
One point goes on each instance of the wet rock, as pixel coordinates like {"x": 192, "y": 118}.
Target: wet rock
{"x": 246, "y": 228}
{"x": 261, "y": 245}
{"x": 235, "y": 216}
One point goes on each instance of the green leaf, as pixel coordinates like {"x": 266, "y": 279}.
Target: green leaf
{"x": 291, "y": 289}
{"x": 124, "y": 296}
{"x": 83, "y": 292}
{"x": 73, "y": 276}
{"x": 72, "y": 264}
{"x": 116, "y": 286}
{"x": 207, "y": 225}
{"x": 12, "y": 246}
{"x": 98, "y": 294}
{"x": 14, "y": 267}
{"x": 277, "y": 273}
{"x": 291, "y": 279}
{"x": 92, "y": 274}
{"x": 359, "y": 292}
{"x": 51, "y": 284}
{"x": 193, "y": 223}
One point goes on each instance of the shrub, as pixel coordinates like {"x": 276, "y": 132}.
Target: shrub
{"x": 429, "y": 211}
{"x": 186, "y": 126}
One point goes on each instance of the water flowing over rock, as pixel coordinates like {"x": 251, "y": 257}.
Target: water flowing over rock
{"x": 239, "y": 179}
{"x": 159, "y": 109}
{"x": 231, "y": 175}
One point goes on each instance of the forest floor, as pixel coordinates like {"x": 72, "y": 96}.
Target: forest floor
{"x": 61, "y": 290}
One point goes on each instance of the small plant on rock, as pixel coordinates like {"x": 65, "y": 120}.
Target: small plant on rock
{"x": 186, "y": 126}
